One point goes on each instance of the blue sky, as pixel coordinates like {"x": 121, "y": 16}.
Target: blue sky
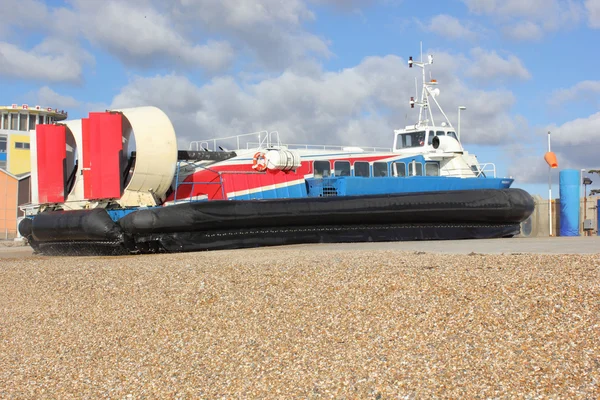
{"x": 323, "y": 71}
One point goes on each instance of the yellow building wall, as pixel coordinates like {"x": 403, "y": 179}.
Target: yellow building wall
{"x": 18, "y": 159}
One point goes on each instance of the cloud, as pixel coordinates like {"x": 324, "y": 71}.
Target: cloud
{"x": 524, "y": 31}
{"x": 141, "y": 36}
{"x": 450, "y": 27}
{"x": 360, "y": 105}
{"x": 522, "y": 19}
{"x": 585, "y": 89}
{"x": 489, "y": 65}
{"x": 47, "y": 96}
{"x": 593, "y": 9}
{"x": 271, "y": 31}
{"x": 50, "y": 61}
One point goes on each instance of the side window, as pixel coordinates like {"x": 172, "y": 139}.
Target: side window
{"x": 322, "y": 169}
{"x": 380, "y": 169}
{"x": 452, "y": 134}
{"x": 399, "y": 169}
{"x": 341, "y": 168}
{"x": 432, "y": 169}
{"x": 430, "y": 138}
{"x": 415, "y": 169}
{"x": 361, "y": 168}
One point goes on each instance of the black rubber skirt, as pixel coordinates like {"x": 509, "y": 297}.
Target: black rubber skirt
{"x": 230, "y": 224}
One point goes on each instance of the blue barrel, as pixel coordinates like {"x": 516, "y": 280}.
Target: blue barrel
{"x": 569, "y": 187}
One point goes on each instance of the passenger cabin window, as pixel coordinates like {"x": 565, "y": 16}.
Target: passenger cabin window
{"x": 322, "y": 169}
{"x": 399, "y": 169}
{"x": 341, "y": 168}
{"x": 415, "y": 169}
{"x": 380, "y": 169}
{"x": 408, "y": 140}
{"x": 432, "y": 169}
{"x": 361, "y": 168}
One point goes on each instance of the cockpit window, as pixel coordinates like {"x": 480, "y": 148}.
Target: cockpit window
{"x": 452, "y": 134}
{"x": 408, "y": 140}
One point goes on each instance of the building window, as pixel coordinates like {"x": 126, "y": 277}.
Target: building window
{"x": 361, "y": 168}
{"x": 32, "y": 119}
{"x": 22, "y": 122}
{"x": 322, "y": 169}
{"x": 2, "y": 144}
{"x": 22, "y": 145}
{"x": 4, "y": 121}
{"x": 415, "y": 169}
{"x": 40, "y": 119}
{"x": 432, "y": 169}
{"x": 14, "y": 121}
{"x": 341, "y": 168}
{"x": 380, "y": 169}
{"x": 399, "y": 169}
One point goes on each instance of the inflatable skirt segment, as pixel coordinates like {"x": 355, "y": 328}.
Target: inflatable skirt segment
{"x": 230, "y": 224}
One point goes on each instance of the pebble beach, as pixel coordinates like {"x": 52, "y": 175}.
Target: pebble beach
{"x": 297, "y": 323}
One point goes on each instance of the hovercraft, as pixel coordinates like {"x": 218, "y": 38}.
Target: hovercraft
{"x": 116, "y": 183}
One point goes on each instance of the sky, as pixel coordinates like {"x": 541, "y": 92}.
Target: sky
{"x": 324, "y": 71}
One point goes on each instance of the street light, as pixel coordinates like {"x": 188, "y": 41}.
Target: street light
{"x": 460, "y": 108}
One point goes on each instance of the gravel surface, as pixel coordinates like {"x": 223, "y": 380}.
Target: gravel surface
{"x": 267, "y": 323}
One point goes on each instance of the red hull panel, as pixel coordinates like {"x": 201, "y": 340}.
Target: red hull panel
{"x": 51, "y": 141}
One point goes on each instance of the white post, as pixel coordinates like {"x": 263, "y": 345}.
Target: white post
{"x": 460, "y": 108}
{"x": 549, "y": 191}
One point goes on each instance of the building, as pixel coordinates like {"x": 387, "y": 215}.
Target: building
{"x": 14, "y": 191}
{"x": 16, "y": 124}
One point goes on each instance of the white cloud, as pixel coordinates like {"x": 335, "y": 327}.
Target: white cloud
{"x": 450, "y": 27}
{"x": 270, "y": 30}
{"x": 47, "y": 96}
{"x": 524, "y": 31}
{"x": 521, "y": 19}
{"x": 593, "y": 9}
{"x": 585, "y": 89}
{"x": 50, "y": 61}
{"x": 489, "y": 65}
{"x": 359, "y": 105}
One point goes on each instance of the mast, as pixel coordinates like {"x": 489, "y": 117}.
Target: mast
{"x": 426, "y": 92}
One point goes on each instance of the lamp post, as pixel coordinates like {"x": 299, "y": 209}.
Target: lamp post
{"x": 460, "y": 108}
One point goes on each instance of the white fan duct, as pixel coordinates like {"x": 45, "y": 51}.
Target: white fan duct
{"x": 149, "y": 131}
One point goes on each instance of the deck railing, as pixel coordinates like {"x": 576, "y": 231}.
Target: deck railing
{"x": 270, "y": 139}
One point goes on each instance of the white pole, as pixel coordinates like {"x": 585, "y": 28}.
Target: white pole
{"x": 549, "y": 191}
{"x": 459, "y": 124}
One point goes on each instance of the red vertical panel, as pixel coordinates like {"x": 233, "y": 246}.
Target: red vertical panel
{"x": 104, "y": 153}
{"x": 86, "y": 162}
{"x": 51, "y": 142}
